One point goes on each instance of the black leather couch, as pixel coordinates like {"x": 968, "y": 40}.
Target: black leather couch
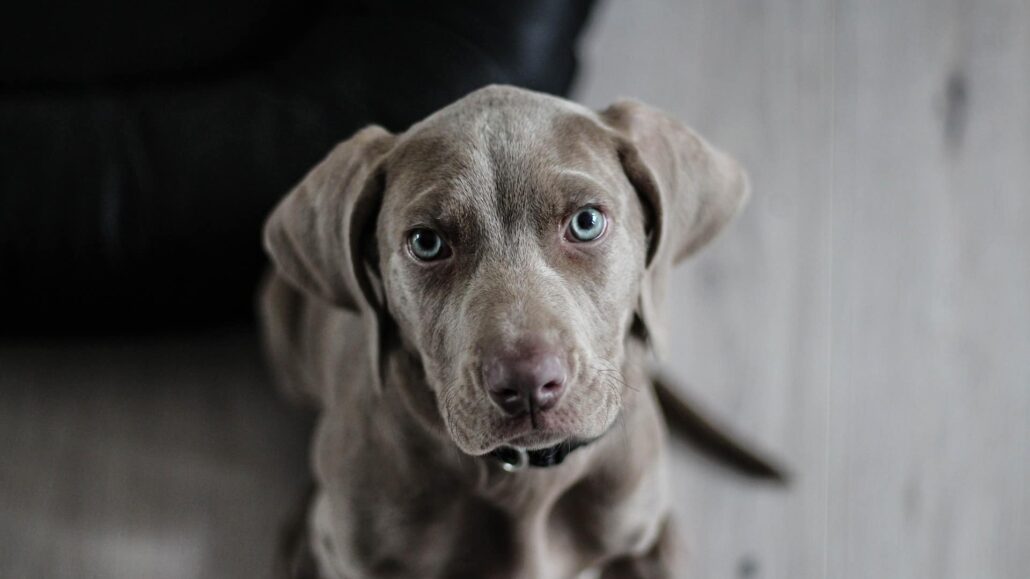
{"x": 142, "y": 143}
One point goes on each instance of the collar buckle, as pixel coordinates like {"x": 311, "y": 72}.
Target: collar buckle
{"x": 512, "y": 459}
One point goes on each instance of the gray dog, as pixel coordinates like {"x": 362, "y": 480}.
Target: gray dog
{"x": 471, "y": 306}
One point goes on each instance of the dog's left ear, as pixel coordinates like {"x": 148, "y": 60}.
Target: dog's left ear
{"x": 319, "y": 235}
{"x": 690, "y": 189}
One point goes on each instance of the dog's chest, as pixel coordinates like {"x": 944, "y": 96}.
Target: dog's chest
{"x": 463, "y": 535}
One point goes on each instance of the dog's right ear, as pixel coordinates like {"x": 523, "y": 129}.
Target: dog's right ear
{"x": 314, "y": 236}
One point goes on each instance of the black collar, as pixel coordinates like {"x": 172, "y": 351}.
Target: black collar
{"x": 513, "y": 459}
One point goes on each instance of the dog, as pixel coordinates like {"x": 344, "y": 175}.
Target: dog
{"x": 473, "y": 306}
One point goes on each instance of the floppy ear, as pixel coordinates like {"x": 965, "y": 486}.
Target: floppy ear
{"x": 316, "y": 235}
{"x": 691, "y": 190}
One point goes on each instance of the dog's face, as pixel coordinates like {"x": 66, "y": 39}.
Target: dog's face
{"x": 512, "y": 239}
{"x": 511, "y": 247}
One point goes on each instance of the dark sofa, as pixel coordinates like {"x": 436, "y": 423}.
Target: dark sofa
{"x": 142, "y": 143}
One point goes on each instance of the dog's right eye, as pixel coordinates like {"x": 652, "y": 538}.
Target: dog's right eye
{"x": 427, "y": 245}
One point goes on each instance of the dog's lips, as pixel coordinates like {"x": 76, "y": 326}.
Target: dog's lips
{"x": 537, "y": 439}
{"x": 519, "y": 432}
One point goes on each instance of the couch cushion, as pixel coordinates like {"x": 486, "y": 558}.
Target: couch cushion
{"x": 53, "y": 41}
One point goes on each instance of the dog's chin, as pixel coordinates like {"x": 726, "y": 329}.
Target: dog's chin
{"x": 537, "y": 439}
{"x": 521, "y": 433}
{"x": 512, "y": 433}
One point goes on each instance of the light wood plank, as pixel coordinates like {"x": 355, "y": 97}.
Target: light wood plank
{"x": 931, "y": 304}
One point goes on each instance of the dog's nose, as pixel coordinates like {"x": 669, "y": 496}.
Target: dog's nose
{"x": 529, "y": 382}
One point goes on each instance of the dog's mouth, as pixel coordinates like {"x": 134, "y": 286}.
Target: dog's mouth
{"x": 538, "y": 439}
{"x": 522, "y": 453}
{"x": 532, "y": 434}
{"x": 478, "y": 427}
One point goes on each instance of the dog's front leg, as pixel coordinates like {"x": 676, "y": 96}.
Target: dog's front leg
{"x": 656, "y": 563}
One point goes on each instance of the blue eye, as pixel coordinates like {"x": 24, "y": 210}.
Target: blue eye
{"x": 427, "y": 245}
{"x": 587, "y": 224}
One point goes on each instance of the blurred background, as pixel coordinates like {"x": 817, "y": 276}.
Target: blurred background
{"x": 867, "y": 318}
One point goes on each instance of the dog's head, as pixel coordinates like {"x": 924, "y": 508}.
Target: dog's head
{"x": 513, "y": 242}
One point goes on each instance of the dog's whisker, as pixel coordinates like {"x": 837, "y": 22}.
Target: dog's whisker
{"x": 617, "y": 375}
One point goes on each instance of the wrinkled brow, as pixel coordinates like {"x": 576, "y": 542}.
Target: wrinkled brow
{"x": 566, "y": 188}
{"x": 445, "y": 208}
{"x": 580, "y": 187}
{"x": 575, "y": 179}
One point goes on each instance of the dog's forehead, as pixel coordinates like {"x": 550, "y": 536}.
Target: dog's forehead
{"x": 503, "y": 148}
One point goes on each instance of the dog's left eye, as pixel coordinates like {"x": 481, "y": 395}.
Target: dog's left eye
{"x": 587, "y": 224}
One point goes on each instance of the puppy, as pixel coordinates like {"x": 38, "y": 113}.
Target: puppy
{"x": 471, "y": 305}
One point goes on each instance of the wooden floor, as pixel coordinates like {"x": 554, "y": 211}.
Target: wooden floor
{"x": 868, "y": 318}
{"x": 869, "y": 315}
{"x": 166, "y": 458}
